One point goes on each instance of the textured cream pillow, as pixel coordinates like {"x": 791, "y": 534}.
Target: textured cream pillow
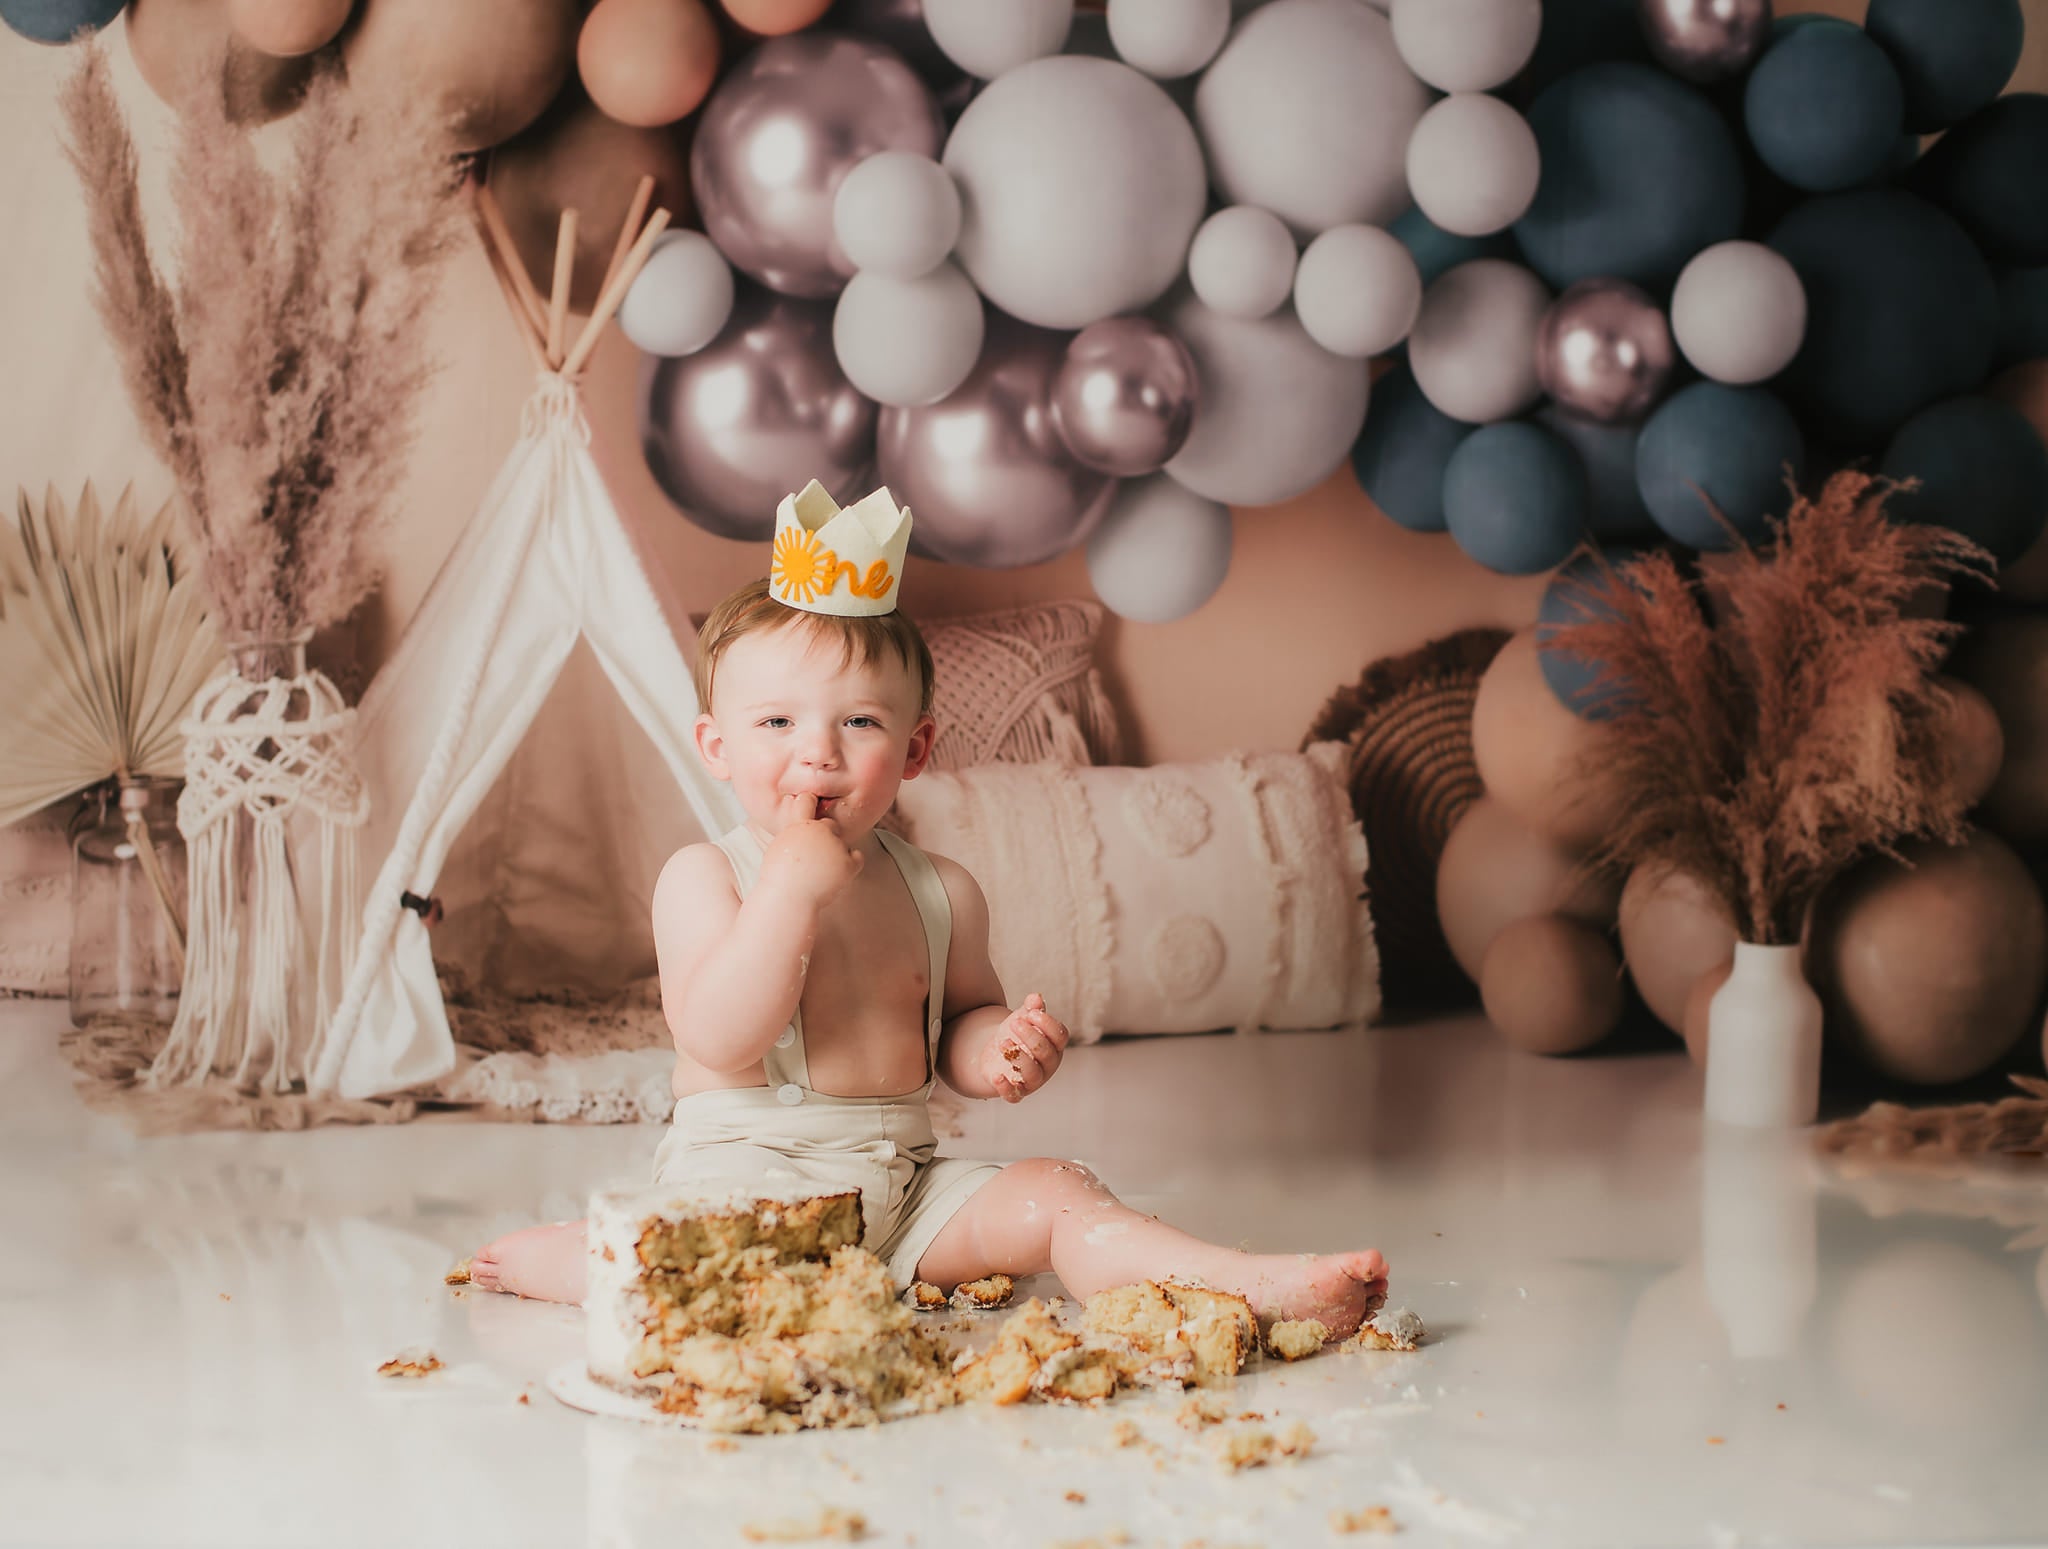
{"x": 1173, "y": 899}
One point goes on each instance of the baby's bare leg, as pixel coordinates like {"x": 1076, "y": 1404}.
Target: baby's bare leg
{"x": 543, "y": 1262}
{"x": 1048, "y": 1215}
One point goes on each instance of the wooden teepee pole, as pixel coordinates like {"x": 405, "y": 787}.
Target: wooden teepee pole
{"x": 494, "y": 224}
{"x": 520, "y": 322}
{"x": 614, "y": 292}
{"x": 558, "y": 290}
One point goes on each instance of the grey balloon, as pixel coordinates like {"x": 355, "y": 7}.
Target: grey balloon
{"x": 728, "y": 431}
{"x": 1604, "y": 351}
{"x": 1706, "y": 40}
{"x": 985, "y": 474}
{"x": 1125, "y": 396}
{"x": 784, "y": 126}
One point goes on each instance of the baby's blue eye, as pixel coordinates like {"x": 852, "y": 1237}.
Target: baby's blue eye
{"x": 776, "y": 720}
{"x": 862, "y": 720}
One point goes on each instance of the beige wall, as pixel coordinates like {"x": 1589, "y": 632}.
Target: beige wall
{"x": 1317, "y": 587}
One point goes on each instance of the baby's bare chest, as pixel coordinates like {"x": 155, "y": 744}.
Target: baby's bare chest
{"x": 864, "y": 991}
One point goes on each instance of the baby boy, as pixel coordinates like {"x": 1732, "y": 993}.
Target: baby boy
{"x": 820, "y": 975}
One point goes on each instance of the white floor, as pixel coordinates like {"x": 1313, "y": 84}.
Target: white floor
{"x": 1632, "y": 1343}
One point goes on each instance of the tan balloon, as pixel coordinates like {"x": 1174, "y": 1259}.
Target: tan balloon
{"x": 1672, "y": 931}
{"x": 2025, "y": 387}
{"x": 1534, "y": 755}
{"x": 288, "y": 28}
{"x": 648, "y": 62}
{"x": 1551, "y": 984}
{"x": 1934, "y": 970}
{"x": 773, "y": 18}
{"x": 578, "y": 158}
{"x": 1495, "y": 869}
{"x": 1698, "y": 1001}
{"x": 2006, "y": 659}
{"x": 178, "y": 44}
{"x": 1975, "y": 737}
{"x": 495, "y": 64}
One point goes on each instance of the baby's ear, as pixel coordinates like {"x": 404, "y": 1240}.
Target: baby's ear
{"x": 920, "y": 750}
{"x": 710, "y": 747}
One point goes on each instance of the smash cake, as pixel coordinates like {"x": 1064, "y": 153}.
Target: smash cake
{"x": 757, "y": 1310}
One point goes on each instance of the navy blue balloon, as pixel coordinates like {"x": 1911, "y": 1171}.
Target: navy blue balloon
{"x": 1401, "y": 454}
{"x": 2022, "y": 315}
{"x": 1577, "y": 33}
{"x": 58, "y": 21}
{"x": 1609, "y": 454}
{"x": 1574, "y": 597}
{"x": 1515, "y": 498}
{"x": 1982, "y": 472}
{"x": 1639, "y": 174}
{"x": 1733, "y": 446}
{"x": 1901, "y": 312}
{"x": 1435, "y": 249}
{"x": 1953, "y": 55}
{"x": 1991, "y": 173}
{"x": 1824, "y": 108}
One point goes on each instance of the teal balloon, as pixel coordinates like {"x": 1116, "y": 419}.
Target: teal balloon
{"x": 1732, "y": 446}
{"x": 58, "y": 21}
{"x": 1639, "y": 173}
{"x": 2022, "y": 315}
{"x": 1609, "y": 454}
{"x": 1577, "y": 595}
{"x": 1901, "y": 312}
{"x": 1981, "y": 469}
{"x": 1435, "y": 249}
{"x": 1991, "y": 173}
{"x": 1954, "y": 56}
{"x": 1515, "y": 498}
{"x": 1401, "y": 454}
{"x": 1577, "y": 33}
{"x": 1824, "y": 108}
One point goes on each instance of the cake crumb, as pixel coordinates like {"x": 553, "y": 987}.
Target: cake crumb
{"x": 1391, "y": 1328}
{"x": 459, "y": 1275}
{"x": 1125, "y": 1433}
{"x": 227, "y": 1298}
{"x": 1297, "y": 1338}
{"x": 525, "y": 1398}
{"x": 925, "y": 1296}
{"x": 1115, "y": 1538}
{"x": 721, "y": 1444}
{"x": 1255, "y": 1447}
{"x": 989, "y": 1291}
{"x": 1077, "y": 1497}
{"x": 1370, "y": 1519}
{"x": 1200, "y": 1410}
{"x": 830, "y": 1522}
{"x": 410, "y": 1364}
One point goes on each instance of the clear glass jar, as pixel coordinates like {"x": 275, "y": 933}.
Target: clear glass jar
{"x": 127, "y": 903}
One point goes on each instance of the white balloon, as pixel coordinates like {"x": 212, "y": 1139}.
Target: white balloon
{"x": 1357, "y": 290}
{"x": 1307, "y": 113}
{"x": 908, "y": 342}
{"x": 1739, "y": 312}
{"x": 1242, "y": 261}
{"x": 1466, "y": 45}
{"x": 1473, "y": 165}
{"x": 1473, "y": 347}
{"x": 1160, "y": 552}
{"x": 1081, "y": 184}
{"x": 897, "y": 213}
{"x": 1278, "y": 412}
{"x": 681, "y": 297}
{"x": 1168, "y": 38}
{"x": 987, "y": 37}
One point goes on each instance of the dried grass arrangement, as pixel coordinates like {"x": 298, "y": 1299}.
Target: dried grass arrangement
{"x": 1778, "y": 721}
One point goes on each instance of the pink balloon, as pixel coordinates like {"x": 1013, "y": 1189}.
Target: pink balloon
{"x": 787, "y": 122}
{"x": 983, "y": 471}
{"x": 1124, "y": 399}
{"x": 1604, "y": 351}
{"x": 730, "y": 430}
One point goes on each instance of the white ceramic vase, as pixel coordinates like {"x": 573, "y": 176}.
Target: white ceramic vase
{"x": 1763, "y": 1042}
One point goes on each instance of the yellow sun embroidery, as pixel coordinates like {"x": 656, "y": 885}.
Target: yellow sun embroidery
{"x": 800, "y": 566}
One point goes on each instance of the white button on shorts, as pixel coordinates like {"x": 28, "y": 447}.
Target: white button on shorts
{"x": 789, "y": 1094}
{"x": 935, "y": 1024}
{"x": 788, "y": 1037}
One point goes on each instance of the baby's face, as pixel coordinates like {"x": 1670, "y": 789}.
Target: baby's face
{"x": 788, "y": 718}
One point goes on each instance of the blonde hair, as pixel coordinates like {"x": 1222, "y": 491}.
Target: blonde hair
{"x": 751, "y": 610}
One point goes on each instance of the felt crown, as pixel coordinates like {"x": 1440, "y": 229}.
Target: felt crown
{"x": 848, "y": 562}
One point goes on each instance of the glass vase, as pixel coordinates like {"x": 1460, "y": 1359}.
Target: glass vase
{"x": 127, "y": 895}
{"x": 1764, "y": 1042}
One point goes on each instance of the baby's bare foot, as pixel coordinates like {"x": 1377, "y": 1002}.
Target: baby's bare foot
{"x": 1339, "y": 1290}
{"x": 543, "y": 1262}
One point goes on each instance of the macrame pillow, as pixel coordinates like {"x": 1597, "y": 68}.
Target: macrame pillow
{"x": 1173, "y": 899}
{"x": 1019, "y": 686}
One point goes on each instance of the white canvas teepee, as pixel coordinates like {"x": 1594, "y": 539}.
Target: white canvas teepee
{"x": 544, "y": 562}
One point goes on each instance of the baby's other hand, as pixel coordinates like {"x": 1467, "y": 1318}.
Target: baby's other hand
{"x": 1026, "y": 1051}
{"x": 808, "y": 854}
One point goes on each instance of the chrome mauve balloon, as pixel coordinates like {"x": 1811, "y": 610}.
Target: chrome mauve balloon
{"x": 983, "y": 471}
{"x": 1603, "y": 351}
{"x": 1706, "y": 40}
{"x": 729, "y": 430}
{"x": 786, "y": 123}
{"x": 1124, "y": 398}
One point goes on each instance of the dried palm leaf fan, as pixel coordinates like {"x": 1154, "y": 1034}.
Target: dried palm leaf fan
{"x": 104, "y": 639}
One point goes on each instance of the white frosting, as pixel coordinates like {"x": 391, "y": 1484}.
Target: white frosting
{"x": 1399, "y": 1323}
